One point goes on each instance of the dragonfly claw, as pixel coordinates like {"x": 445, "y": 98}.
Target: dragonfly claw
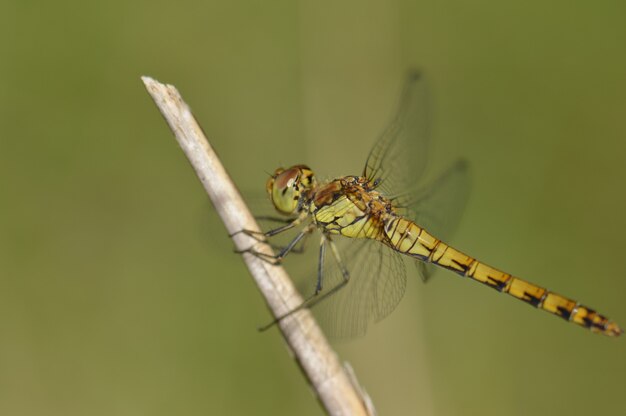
{"x": 257, "y": 235}
{"x": 268, "y": 258}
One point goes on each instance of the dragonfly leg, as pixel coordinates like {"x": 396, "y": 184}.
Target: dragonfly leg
{"x": 257, "y": 235}
{"x": 272, "y": 218}
{"x": 298, "y": 249}
{"x": 278, "y": 258}
{"x": 344, "y": 273}
{"x": 314, "y": 299}
{"x": 260, "y": 236}
{"x": 320, "y": 264}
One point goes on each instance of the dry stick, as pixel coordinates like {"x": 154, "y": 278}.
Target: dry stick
{"x": 336, "y": 389}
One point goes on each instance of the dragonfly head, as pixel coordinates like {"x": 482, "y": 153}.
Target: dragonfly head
{"x": 286, "y": 186}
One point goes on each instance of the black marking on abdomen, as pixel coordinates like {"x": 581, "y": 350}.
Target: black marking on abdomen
{"x": 588, "y": 323}
{"x": 564, "y": 313}
{"x": 533, "y": 300}
{"x": 464, "y": 268}
{"x": 497, "y": 284}
{"x": 457, "y": 271}
{"x": 604, "y": 321}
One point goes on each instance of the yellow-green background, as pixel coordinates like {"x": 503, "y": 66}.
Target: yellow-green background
{"x": 119, "y": 291}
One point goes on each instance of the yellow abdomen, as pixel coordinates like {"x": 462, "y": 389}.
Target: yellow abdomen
{"x": 408, "y": 238}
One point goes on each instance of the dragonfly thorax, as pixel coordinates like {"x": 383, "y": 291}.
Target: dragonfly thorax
{"x": 288, "y": 187}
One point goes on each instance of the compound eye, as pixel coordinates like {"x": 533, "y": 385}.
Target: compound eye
{"x": 284, "y": 190}
{"x": 286, "y": 179}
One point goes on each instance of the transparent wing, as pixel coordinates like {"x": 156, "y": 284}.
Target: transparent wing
{"x": 376, "y": 286}
{"x": 398, "y": 159}
{"x": 438, "y": 207}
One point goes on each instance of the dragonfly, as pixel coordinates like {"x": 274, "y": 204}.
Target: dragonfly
{"x": 372, "y": 224}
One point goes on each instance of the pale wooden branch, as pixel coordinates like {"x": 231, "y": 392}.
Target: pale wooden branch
{"x": 336, "y": 389}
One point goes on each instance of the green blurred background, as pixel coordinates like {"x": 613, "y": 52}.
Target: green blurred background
{"x": 120, "y": 293}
